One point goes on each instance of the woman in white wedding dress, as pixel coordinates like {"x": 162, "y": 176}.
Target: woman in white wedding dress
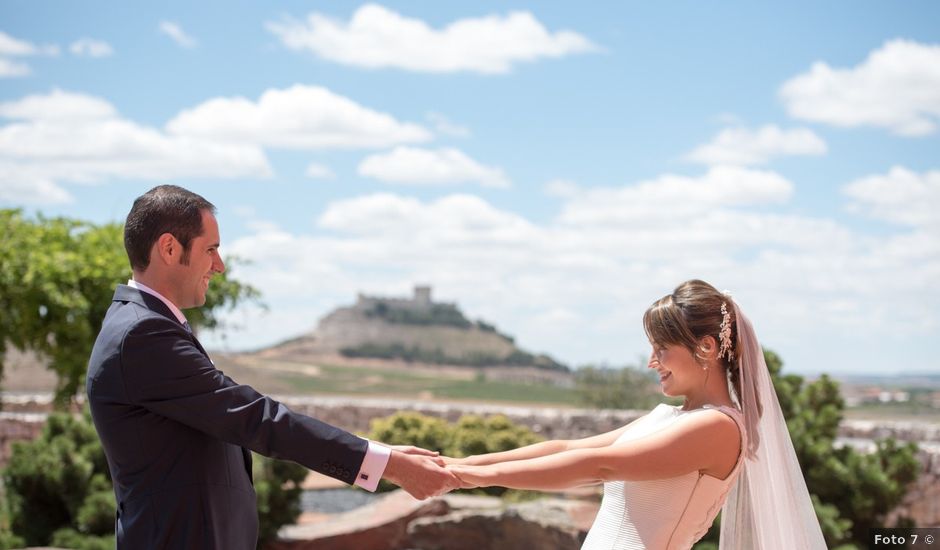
{"x": 667, "y": 474}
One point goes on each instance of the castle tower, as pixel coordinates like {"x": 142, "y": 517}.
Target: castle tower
{"x": 422, "y": 295}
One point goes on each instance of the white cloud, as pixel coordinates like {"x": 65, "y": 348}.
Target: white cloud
{"x": 10, "y": 46}
{"x": 901, "y": 196}
{"x": 319, "y": 171}
{"x": 562, "y": 188}
{"x": 447, "y": 128}
{"x": 14, "y": 47}
{"x": 70, "y": 137}
{"x": 299, "y": 117}
{"x": 10, "y": 69}
{"x": 444, "y": 166}
{"x": 576, "y": 285}
{"x": 676, "y": 196}
{"x": 177, "y": 34}
{"x": 25, "y": 185}
{"x": 743, "y": 146}
{"x": 377, "y": 37}
{"x": 896, "y": 87}
{"x": 90, "y": 47}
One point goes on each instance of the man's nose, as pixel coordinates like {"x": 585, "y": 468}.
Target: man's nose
{"x": 219, "y": 265}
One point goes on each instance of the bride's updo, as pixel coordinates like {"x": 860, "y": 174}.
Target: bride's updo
{"x": 694, "y": 310}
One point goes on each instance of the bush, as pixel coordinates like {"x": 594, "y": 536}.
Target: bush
{"x": 471, "y": 435}
{"x": 278, "y": 487}
{"x": 59, "y": 480}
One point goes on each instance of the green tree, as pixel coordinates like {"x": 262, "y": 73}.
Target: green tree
{"x": 851, "y": 491}
{"x": 57, "y": 277}
{"x": 616, "y": 388}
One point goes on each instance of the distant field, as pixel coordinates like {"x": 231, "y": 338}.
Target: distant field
{"x": 411, "y": 383}
{"x": 900, "y": 412}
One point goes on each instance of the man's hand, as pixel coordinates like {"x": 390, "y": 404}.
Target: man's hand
{"x": 463, "y": 476}
{"x": 412, "y": 450}
{"x": 419, "y": 474}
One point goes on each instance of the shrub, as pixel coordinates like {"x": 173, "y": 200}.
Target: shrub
{"x": 470, "y": 435}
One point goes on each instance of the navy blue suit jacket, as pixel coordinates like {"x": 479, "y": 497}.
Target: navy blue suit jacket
{"x": 177, "y": 433}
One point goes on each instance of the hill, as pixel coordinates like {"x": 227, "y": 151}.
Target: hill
{"x": 415, "y": 329}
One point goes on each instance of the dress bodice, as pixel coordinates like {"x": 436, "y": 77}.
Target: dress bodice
{"x": 661, "y": 514}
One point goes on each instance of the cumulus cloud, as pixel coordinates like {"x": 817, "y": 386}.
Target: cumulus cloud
{"x": 319, "y": 171}
{"x": 601, "y": 268}
{"x": 447, "y": 128}
{"x": 177, "y": 34}
{"x": 299, "y": 117}
{"x": 14, "y": 47}
{"x": 897, "y": 87}
{"x": 562, "y": 188}
{"x": 10, "y": 46}
{"x": 377, "y": 37}
{"x": 444, "y": 166}
{"x": 12, "y": 69}
{"x": 744, "y": 146}
{"x": 901, "y": 196}
{"x": 71, "y": 137}
{"x": 676, "y": 196}
{"x": 90, "y": 47}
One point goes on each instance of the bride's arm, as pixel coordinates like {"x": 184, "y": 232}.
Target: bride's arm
{"x": 544, "y": 448}
{"x": 703, "y": 441}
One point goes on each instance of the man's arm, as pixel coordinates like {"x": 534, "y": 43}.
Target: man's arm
{"x": 167, "y": 374}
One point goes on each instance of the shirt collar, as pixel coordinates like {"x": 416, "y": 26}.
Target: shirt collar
{"x": 144, "y": 288}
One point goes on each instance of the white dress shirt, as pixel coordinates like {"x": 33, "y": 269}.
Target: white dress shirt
{"x": 376, "y": 459}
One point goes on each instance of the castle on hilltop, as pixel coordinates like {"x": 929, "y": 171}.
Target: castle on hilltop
{"x": 414, "y": 329}
{"x": 420, "y": 301}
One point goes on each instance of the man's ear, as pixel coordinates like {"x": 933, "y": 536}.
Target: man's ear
{"x": 168, "y": 249}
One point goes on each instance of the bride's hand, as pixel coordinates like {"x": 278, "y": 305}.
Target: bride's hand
{"x": 462, "y": 475}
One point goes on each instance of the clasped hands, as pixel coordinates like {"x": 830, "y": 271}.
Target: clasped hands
{"x": 423, "y": 473}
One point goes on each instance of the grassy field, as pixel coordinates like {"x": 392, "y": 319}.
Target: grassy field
{"x": 388, "y": 381}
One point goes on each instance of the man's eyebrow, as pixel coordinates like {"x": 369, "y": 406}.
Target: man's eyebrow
{"x": 214, "y": 245}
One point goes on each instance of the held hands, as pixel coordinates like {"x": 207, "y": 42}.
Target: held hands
{"x": 421, "y": 473}
{"x": 412, "y": 450}
{"x": 463, "y": 475}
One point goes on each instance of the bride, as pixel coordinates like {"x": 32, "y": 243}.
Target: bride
{"x": 667, "y": 474}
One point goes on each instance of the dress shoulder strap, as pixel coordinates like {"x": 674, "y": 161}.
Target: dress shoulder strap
{"x": 738, "y": 418}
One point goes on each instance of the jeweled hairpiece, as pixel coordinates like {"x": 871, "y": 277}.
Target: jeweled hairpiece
{"x": 724, "y": 333}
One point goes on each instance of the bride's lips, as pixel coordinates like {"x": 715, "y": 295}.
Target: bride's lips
{"x": 664, "y": 376}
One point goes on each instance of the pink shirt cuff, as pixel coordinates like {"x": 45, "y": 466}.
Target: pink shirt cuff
{"x": 373, "y": 466}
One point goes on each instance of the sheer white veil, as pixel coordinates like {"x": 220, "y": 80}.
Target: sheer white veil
{"x": 769, "y": 507}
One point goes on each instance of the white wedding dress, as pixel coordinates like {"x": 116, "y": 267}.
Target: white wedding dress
{"x": 662, "y": 514}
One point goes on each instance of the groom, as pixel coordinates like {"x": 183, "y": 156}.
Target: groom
{"x": 177, "y": 431}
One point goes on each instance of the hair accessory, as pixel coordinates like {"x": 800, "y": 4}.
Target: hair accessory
{"x": 724, "y": 333}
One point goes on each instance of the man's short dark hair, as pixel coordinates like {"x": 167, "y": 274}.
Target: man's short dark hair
{"x": 163, "y": 209}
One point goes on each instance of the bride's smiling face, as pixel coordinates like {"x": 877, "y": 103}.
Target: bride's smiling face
{"x": 677, "y": 368}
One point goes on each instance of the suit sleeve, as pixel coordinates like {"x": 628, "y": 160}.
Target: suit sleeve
{"x": 167, "y": 374}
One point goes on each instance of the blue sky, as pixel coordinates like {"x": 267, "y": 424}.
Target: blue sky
{"x": 553, "y": 168}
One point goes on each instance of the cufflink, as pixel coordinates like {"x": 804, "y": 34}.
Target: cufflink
{"x": 364, "y": 477}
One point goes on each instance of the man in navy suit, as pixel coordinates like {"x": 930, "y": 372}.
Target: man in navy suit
{"x": 177, "y": 431}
